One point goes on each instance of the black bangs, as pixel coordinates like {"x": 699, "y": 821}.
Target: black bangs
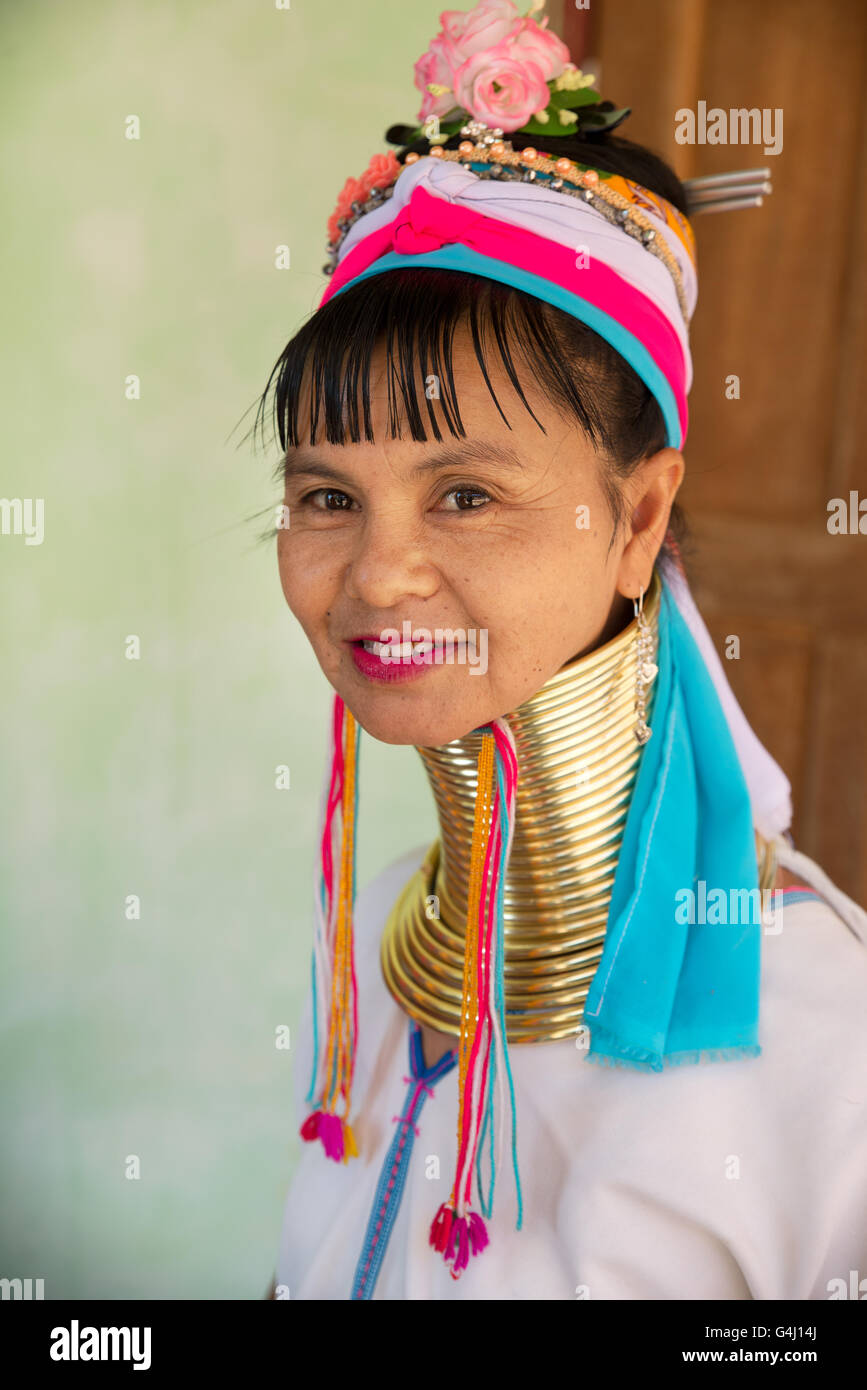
{"x": 413, "y": 314}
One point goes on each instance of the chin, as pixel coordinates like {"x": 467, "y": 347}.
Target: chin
{"x": 414, "y": 731}
{"x": 423, "y": 728}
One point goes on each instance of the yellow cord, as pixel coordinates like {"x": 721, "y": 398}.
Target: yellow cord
{"x": 340, "y": 1029}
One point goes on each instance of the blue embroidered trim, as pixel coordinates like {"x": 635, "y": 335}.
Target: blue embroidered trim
{"x": 800, "y": 895}
{"x": 392, "y": 1178}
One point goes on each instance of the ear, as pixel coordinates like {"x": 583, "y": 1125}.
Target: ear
{"x": 650, "y": 492}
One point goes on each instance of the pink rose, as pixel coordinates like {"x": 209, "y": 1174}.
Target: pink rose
{"x": 501, "y": 87}
{"x": 495, "y": 62}
{"x": 533, "y": 43}
{"x": 484, "y": 27}
{"x": 436, "y": 65}
{"x": 461, "y": 36}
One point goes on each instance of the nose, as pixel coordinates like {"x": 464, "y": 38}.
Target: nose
{"x": 389, "y": 564}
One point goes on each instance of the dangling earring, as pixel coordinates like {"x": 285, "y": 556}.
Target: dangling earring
{"x": 645, "y": 670}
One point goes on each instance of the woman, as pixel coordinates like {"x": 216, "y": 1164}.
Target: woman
{"x": 481, "y": 549}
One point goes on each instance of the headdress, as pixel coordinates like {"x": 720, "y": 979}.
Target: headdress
{"x": 620, "y": 258}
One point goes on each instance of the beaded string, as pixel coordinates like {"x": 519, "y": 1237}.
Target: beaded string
{"x": 456, "y": 1230}
{"x": 507, "y": 781}
{"x": 483, "y": 1040}
{"x": 334, "y": 946}
{"x": 323, "y": 934}
{"x": 473, "y": 1021}
{"x": 450, "y": 1228}
{"x": 342, "y": 1030}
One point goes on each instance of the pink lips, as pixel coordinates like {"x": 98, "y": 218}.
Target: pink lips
{"x": 369, "y": 664}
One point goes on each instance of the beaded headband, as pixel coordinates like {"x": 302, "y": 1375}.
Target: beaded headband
{"x": 621, "y": 201}
{"x": 553, "y": 245}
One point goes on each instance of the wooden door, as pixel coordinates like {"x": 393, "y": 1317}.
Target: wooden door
{"x": 781, "y": 306}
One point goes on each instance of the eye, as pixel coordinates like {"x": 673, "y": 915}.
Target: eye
{"x": 327, "y": 493}
{"x": 465, "y": 492}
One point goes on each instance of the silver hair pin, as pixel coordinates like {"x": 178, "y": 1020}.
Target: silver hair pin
{"x": 726, "y": 192}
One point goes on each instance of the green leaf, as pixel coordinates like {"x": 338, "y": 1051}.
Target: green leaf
{"x": 551, "y": 128}
{"x": 582, "y": 96}
{"x": 591, "y": 116}
{"x": 400, "y": 134}
{"x": 581, "y": 101}
{"x": 408, "y": 134}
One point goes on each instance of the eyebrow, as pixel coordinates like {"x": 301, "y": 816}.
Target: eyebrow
{"x": 302, "y": 461}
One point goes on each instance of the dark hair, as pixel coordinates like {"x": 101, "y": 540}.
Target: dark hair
{"x": 415, "y": 312}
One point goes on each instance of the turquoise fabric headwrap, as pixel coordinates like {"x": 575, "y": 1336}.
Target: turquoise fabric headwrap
{"x": 667, "y": 991}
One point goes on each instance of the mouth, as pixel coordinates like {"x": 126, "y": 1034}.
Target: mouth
{"x": 391, "y": 663}
{"x": 392, "y": 651}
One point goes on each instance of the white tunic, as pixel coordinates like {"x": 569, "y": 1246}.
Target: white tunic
{"x": 724, "y": 1180}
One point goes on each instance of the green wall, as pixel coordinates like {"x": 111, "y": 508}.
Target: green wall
{"x": 155, "y": 777}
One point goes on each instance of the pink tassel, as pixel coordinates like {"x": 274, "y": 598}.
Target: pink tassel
{"x": 451, "y": 1248}
{"x": 327, "y": 1127}
{"x": 310, "y": 1128}
{"x": 441, "y": 1228}
{"x": 463, "y": 1256}
{"x": 331, "y": 1134}
{"x": 478, "y": 1233}
{"x": 457, "y": 1237}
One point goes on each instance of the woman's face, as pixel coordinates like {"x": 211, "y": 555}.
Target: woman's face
{"x": 500, "y": 551}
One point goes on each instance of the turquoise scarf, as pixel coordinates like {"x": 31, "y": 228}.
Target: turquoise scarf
{"x": 679, "y": 976}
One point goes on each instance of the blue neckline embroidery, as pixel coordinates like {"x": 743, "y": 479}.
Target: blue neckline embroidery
{"x": 392, "y": 1177}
